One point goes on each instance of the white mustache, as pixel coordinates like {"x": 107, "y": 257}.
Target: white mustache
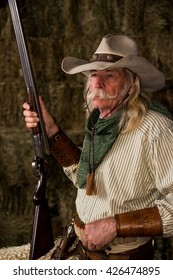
{"x": 101, "y": 93}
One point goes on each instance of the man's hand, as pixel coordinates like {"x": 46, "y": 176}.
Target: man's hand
{"x": 99, "y": 233}
{"x": 31, "y": 118}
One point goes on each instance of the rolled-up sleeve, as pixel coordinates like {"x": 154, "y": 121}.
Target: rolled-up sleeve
{"x": 72, "y": 173}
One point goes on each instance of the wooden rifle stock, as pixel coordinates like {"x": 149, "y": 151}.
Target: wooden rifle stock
{"x": 42, "y": 235}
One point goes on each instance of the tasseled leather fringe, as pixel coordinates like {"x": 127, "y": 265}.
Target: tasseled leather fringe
{"x": 90, "y": 183}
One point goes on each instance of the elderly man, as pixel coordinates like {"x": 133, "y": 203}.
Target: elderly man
{"x": 123, "y": 173}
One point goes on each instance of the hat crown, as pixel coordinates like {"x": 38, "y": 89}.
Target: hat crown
{"x": 120, "y": 45}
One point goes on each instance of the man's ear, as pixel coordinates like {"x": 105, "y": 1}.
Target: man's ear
{"x": 134, "y": 85}
{"x": 132, "y": 89}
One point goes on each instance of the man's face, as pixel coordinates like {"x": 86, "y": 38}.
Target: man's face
{"x": 110, "y": 81}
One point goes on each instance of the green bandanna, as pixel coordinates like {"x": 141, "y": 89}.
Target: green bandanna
{"x": 99, "y": 138}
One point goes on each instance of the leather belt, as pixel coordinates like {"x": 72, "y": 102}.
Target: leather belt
{"x": 143, "y": 252}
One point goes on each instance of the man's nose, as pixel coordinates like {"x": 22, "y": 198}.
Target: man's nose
{"x": 99, "y": 83}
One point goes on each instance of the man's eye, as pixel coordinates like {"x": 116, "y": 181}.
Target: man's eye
{"x": 93, "y": 74}
{"x": 110, "y": 76}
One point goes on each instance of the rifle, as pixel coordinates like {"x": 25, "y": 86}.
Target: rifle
{"x": 42, "y": 235}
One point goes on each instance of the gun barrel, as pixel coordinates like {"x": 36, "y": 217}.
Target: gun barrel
{"x": 42, "y": 234}
{"x": 26, "y": 66}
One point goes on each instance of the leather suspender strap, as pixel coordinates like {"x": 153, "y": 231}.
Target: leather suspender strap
{"x": 143, "y": 222}
{"x": 63, "y": 149}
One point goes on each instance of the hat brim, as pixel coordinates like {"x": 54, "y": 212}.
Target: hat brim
{"x": 151, "y": 78}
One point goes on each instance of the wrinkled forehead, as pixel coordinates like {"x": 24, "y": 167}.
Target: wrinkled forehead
{"x": 105, "y": 71}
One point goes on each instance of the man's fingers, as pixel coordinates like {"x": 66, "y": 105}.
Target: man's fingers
{"x": 31, "y": 121}
{"x": 31, "y": 124}
{"x": 91, "y": 246}
{"x": 30, "y": 114}
{"x": 26, "y": 106}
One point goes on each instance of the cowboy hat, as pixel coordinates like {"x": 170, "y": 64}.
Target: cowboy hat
{"x": 118, "y": 51}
